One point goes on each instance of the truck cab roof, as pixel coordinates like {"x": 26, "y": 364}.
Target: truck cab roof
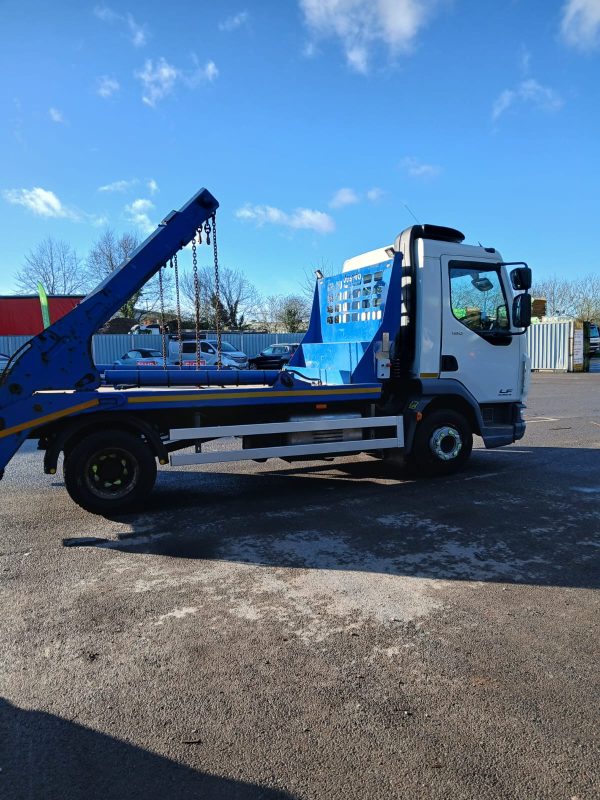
{"x": 435, "y": 233}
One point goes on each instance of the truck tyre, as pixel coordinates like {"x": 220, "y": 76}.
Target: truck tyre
{"x": 442, "y": 444}
{"x": 109, "y": 472}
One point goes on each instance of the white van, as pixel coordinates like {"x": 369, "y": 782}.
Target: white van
{"x": 594, "y": 339}
{"x": 153, "y": 328}
{"x": 230, "y": 357}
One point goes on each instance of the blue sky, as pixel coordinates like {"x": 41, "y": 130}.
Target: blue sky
{"x": 314, "y": 123}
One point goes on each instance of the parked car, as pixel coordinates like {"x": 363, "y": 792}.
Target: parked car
{"x": 141, "y": 357}
{"x": 3, "y": 362}
{"x": 274, "y": 357}
{"x": 594, "y": 339}
{"x": 152, "y": 328}
{"x": 230, "y": 357}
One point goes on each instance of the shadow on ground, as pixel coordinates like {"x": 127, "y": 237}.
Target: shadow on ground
{"x": 517, "y": 516}
{"x": 44, "y": 756}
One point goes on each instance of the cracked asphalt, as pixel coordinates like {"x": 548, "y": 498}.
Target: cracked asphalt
{"x": 316, "y": 630}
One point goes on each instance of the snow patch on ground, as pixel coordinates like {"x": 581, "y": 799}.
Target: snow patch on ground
{"x": 177, "y": 613}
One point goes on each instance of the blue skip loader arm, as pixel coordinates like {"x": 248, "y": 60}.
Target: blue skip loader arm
{"x": 60, "y": 358}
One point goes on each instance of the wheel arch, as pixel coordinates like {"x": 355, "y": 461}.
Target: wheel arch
{"x": 448, "y": 397}
{"x": 455, "y": 402}
{"x": 85, "y": 425}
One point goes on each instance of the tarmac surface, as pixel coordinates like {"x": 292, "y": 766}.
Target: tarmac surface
{"x": 323, "y": 630}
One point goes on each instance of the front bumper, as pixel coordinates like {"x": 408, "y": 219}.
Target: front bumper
{"x": 507, "y": 433}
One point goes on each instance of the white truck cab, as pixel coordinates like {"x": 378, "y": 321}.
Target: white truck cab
{"x": 461, "y": 309}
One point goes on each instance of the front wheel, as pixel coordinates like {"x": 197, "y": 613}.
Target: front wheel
{"x": 109, "y": 472}
{"x": 442, "y": 444}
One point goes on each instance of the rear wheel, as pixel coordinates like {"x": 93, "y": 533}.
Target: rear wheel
{"x": 109, "y": 472}
{"x": 442, "y": 444}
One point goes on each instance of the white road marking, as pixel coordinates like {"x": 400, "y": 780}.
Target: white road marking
{"x": 479, "y": 477}
{"x": 541, "y": 419}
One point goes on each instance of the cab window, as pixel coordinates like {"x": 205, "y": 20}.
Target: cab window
{"x": 477, "y": 298}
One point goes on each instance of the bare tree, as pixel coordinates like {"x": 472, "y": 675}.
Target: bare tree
{"x": 107, "y": 255}
{"x": 54, "y": 264}
{"x": 559, "y": 294}
{"x": 309, "y": 277}
{"x": 267, "y": 313}
{"x": 578, "y": 297}
{"x": 587, "y": 298}
{"x": 238, "y": 299}
{"x": 293, "y": 313}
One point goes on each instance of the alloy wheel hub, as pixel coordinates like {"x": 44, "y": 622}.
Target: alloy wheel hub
{"x": 445, "y": 443}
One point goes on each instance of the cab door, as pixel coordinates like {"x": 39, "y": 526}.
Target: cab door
{"x": 477, "y": 347}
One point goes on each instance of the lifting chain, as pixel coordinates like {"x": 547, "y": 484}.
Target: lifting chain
{"x": 178, "y": 302}
{"x": 163, "y": 332}
{"x": 217, "y": 283}
{"x": 196, "y": 294}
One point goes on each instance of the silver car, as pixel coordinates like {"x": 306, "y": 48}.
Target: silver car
{"x": 208, "y": 356}
{"x": 140, "y": 357}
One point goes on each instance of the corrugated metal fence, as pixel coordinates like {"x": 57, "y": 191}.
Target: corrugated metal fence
{"x": 107, "y": 348}
{"x": 10, "y": 344}
{"x": 550, "y": 344}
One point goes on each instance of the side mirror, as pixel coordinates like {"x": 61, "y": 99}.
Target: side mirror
{"x": 521, "y": 278}
{"x": 521, "y": 311}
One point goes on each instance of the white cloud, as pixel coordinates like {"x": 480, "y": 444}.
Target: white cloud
{"x": 363, "y": 25}
{"x": 118, "y": 186}
{"x": 55, "y": 115}
{"x": 234, "y": 22}
{"x": 159, "y": 79}
{"x": 418, "y": 169}
{"x": 201, "y": 74}
{"x": 45, "y": 203}
{"x": 344, "y": 197}
{"x": 524, "y": 59}
{"x": 375, "y": 194}
{"x": 580, "y": 25}
{"x": 529, "y": 92}
{"x": 504, "y": 100}
{"x": 137, "y": 33}
{"x": 138, "y": 213}
{"x": 42, "y": 202}
{"x": 106, "y": 14}
{"x": 98, "y": 220}
{"x": 210, "y": 71}
{"x": 300, "y": 218}
{"x": 107, "y": 86}
{"x": 152, "y": 186}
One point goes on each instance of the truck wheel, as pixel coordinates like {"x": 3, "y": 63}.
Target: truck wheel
{"x": 109, "y": 472}
{"x": 442, "y": 444}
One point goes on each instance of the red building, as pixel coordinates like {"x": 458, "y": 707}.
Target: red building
{"x": 21, "y": 315}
